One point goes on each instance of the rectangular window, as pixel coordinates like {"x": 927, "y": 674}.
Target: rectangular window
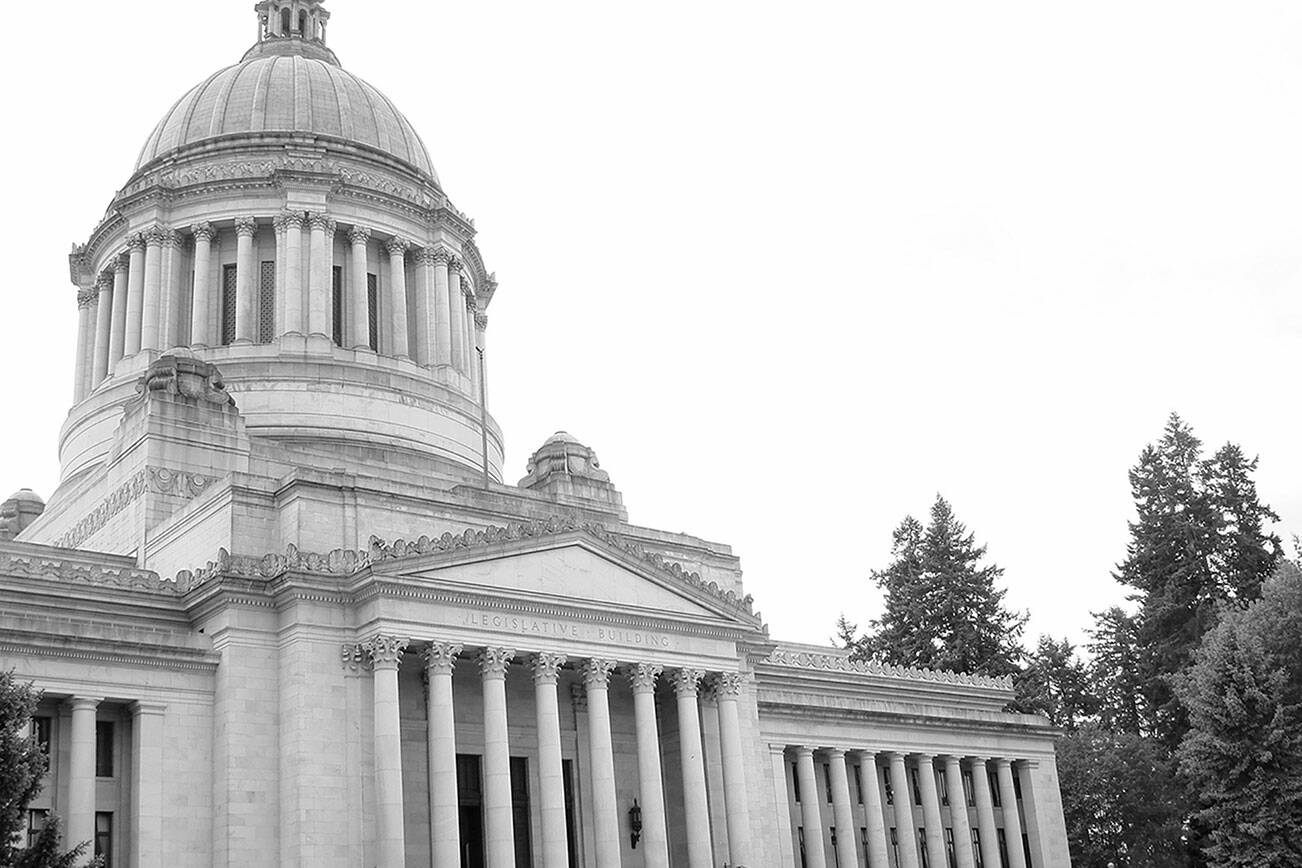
{"x": 917, "y": 787}
{"x": 968, "y": 795}
{"x": 1017, "y": 785}
{"x": 863, "y": 843}
{"x": 267, "y": 302}
{"x": 228, "y": 304}
{"x": 800, "y": 839}
{"x": 895, "y": 846}
{"x": 103, "y": 748}
{"x": 520, "y": 811}
{"x": 571, "y": 829}
{"x": 858, "y": 784}
{"x": 470, "y": 809}
{"x": 1003, "y": 848}
{"x": 41, "y": 733}
{"x": 1026, "y": 848}
{"x": 104, "y": 838}
{"x": 337, "y": 304}
{"x": 950, "y": 856}
{"x": 994, "y": 789}
{"x": 827, "y": 781}
{"x": 977, "y": 859}
{"x": 373, "y": 309}
{"x": 942, "y": 784}
{"x": 890, "y": 793}
{"x": 836, "y": 857}
{"x": 922, "y": 848}
{"x": 36, "y": 820}
{"x": 795, "y": 780}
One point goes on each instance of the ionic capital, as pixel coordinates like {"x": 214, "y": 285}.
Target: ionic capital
{"x": 246, "y": 227}
{"x": 494, "y": 661}
{"x": 359, "y": 235}
{"x": 397, "y": 246}
{"x": 546, "y": 667}
{"x": 385, "y": 651}
{"x": 686, "y": 681}
{"x": 728, "y": 684}
{"x": 596, "y": 672}
{"x": 643, "y": 677}
{"x": 441, "y": 657}
{"x": 137, "y": 241}
{"x": 203, "y": 232}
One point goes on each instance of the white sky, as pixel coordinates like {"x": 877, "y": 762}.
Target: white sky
{"x": 791, "y": 269}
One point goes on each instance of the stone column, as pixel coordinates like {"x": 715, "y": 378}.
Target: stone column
{"x": 246, "y": 285}
{"x": 872, "y": 807}
{"x": 732, "y": 751}
{"x": 551, "y": 777}
{"x": 445, "y": 825}
{"x": 931, "y": 810}
{"x": 118, "y": 328}
{"x": 842, "y": 814}
{"x": 103, "y": 321}
{"x": 655, "y": 839}
{"x": 135, "y": 294}
{"x": 442, "y": 310}
{"x": 481, "y": 365}
{"x": 960, "y": 828}
{"x": 605, "y": 811}
{"x": 386, "y": 655}
{"x": 423, "y": 352}
{"x": 293, "y": 222}
{"x": 782, "y": 800}
{"x": 81, "y": 365}
{"x": 1012, "y": 820}
{"x": 318, "y": 290}
{"x": 357, "y": 294}
{"x": 398, "y": 343}
{"x": 472, "y": 350}
{"x": 80, "y": 815}
{"x": 169, "y": 296}
{"x": 150, "y": 313}
{"x": 201, "y": 324}
{"x": 499, "y": 830}
{"x": 906, "y": 836}
{"x": 985, "y": 807}
{"x": 696, "y": 804}
{"x": 457, "y": 308}
{"x": 810, "y": 813}
{"x": 147, "y": 785}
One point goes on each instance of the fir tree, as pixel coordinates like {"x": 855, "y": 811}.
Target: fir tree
{"x": 1056, "y": 684}
{"x": 1114, "y": 675}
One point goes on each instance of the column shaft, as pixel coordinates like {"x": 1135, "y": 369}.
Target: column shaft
{"x": 149, "y": 314}
{"x": 357, "y": 292}
{"x": 423, "y": 352}
{"x": 457, "y": 307}
{"x": 245, "y": 281}
{"x": 985, "y": 814}
{"x": 398, "y": 343}
{"x": 605, "y": 816}
{"x": 842, "y": 814}
{"x": 85, "y": 331}
{"x": 80, "y": 816}
{"x": 118, "y": 329}
{"x": 103, "y": 322}
{"x": 472, "y": 346}
{"x": 147, "y": 785}
{"x": 782, "y": 799}
{"x": 906, "y": 838}
{"x": 442, "y": 310}
{"x": 386, "y": 654}
{"x": 293, "y": 275}
{"x": 499, "y": 829}
{"x": 445, "y": 824}
{"x": 169, "y": 295}
{"x": 318, "y": 290}
{"x": 810, "y": 814}
{"x": 696, "y": 805}
{"x": 732, "y": 751}
{"x": 201, "y": 324}
{"x": 655, "y": 839}
{"x": 931, "y": 820}
{"x": 551, "y": 776}
{"x": 872, "y": 807}
{"x": 1012, "y": 821}
{"x": 135, "y": 294}
{"x": 960, "y": 828}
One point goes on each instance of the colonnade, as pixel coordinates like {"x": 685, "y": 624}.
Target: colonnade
{"x": 153, "y": 296}
{"x": 946, "y": 828}
{"x": 385, "y": 654}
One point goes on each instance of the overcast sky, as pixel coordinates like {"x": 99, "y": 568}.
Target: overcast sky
{"x": 790, "y": 268}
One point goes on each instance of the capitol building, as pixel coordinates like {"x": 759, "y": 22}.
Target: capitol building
{"x": 287, "y": 607}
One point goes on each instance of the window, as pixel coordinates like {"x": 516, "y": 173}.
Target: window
{"x": 267, "y": 302}
{"x": 858, "y": 784}
{"x": 968, "y": 794}
{"x": 337, "y": 304}
{"x": 104, "y": 837}
{"x": 890, "y": 793}
{"x": 800, "y": 839}
{"x": 950, "y": 857}
{"x": 895, "y": 846}
{"x": 863, "y": 843}
{"x": 1026, "y": 848}
{"x": 922, "y": 848}
{"x": 571, "y": 830}
{"x": 373, "y": 309}
{"x": 520, "y": 811}
{"x": 228, "y": 304}
{"x": 836, "y": 856}
{"x": 1017, "y": 785}
{"x": 917, "y": 787}
{"x": 994, "y": 789}
{"x": 827, "y": 781}
{"x": 977, "y": 859}
{"x": 285, "y": 21}
{"x": 103, "y": 748}
{"x": 41, "y": 733}
{"x": 302, "y": 22}
{"x": 943, "y": 786}
{"x": 36, "y": 820}
{"x": 795, "y": 780}
{"x": 1003, "y": 848}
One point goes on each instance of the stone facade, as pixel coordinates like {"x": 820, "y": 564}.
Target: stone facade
{"x": 285, "y": 611}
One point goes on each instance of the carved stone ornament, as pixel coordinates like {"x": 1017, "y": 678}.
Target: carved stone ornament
{"x": 481, "y": 321}
{"x": 454, "y": 265}
{"x": 353, "y": 656}
{"x": 121, "y": 263}
{"x": 562, "y": 455}
{"x": 493, "y": 661}
{"x": 396, "y": 246}
{"x": 318, "y": 220}
{"x": 137, "y": 241}
{"x": 842, "y": 663}
{"x": 359, "y": 235}
{"x": 440, "y": 657}
{"x": 686, "y": 681}
{"x": 104, "y": 283}
{"x": 596, "y": 672}
{"x": 440, "y": 255}
{"x": 728, "y": 684}
{"x": 385, "y": 651}
{"x": 172, "y": 238}
{"x": 203, "y": 232}
{"x": 246, "y": 227}
{"x": 157, "y": 235}
{"x": 643, "y": 677}
{"x": 546, "y": 667}
{"x": 185, "y": 376}
{"x": 425, "y": 256}
{"x": 75, "y": 572}
{"x": 86, "y": 296}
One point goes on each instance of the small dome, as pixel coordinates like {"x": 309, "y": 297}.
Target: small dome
{"x": 287, "y": 93}
{"x": 25, "y": 495}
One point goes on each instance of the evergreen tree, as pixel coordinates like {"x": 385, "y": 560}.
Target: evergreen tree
{"x": 942, "y": 609}
{"x": 1114, "y": 677}
{"x": 1243, "y": 751}
{"x": 22, "y": 765}
{"x": 1056, "y": 684}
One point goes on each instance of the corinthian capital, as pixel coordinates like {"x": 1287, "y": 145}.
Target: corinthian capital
{"x": 359, "y": 235}
{"x": 157, "y": 236}
{"x": 596, "y": 672}
{"x": 546, "y": 667}
{"x": 85, "y": 297}
{"x": 686, "y": 681}
{"x": 439, "y": 255}
{"x": 385, "y": 651}
{"x": 728, "y": 684}
{"x": 203, "y": 232}
{"x": 454, "y": 265}
{"x": 136, "y": 241}
{"x": 246, "y": 227}
{"x": 440, "y": 657}
{"x": 396, "y": 245}
{"x": 643, "y": 677}
{"x": 481, "y": 321}
{"x": 121, "y": 262}
{"x": 172, "y": 238}
{"x": 104, "y": 283}
{"x": 320, "y": 220}
{"x": 493, "y": 661}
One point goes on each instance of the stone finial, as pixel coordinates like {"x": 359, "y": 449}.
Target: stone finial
{"x": 643, "y": 677}
{"x": 546, "y": 667}
{"x": 493, "y": 662}
{"x": 179, "y": 373}
{"x": 441, "y": 657}
{"x": 563, "y": 466}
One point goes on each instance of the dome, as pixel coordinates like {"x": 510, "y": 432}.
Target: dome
{"x": 288, "y": 93}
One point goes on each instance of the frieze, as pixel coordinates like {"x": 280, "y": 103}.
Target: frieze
{"x": 79, "y": 572}
{"x": 841, "y": 663}
{"x": 157, "y": 479}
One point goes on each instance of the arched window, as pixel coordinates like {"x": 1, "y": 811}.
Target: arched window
{"x": 285, "y": 19}
{"x": 302, "y": 23}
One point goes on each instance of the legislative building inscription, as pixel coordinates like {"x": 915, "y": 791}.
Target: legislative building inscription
{"x": 527, "y": 625}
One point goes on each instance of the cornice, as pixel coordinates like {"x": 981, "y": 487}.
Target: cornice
{"x": 153, "y": 656}
{"x": 81, "y": 570}
{"x": 157, "y": 479}
{"x": 836, "y": 662}
{"x": 1005, "y": 723}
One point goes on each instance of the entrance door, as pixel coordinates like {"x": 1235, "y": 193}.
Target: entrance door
{"x": 470, "y": 800}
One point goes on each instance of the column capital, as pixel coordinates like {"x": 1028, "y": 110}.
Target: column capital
{"x": 172, "y": 238}
{"x": 927, "y": 758}
{"x": 440, "y": 657}
{"x": 320, "y": 220}
{"x": 685, "y": 681}
{"x": 424, "y": 256}
{"x": 466, "y": 289}
{"x": 493, "y": 662}
{"x": 136, "y": 241}
{"x": 481, "y": 320}
{"x": 246, "y": 227}
{"x": 978, "y": 759}
{"x": 454, "y": 265}
{"x": 596, "y": 672}
{"x": 396, "y": 245}
{"x": 82, "y": 703}
{"x": 140, "y": 708}
{"x": 203, "y": 232}
{"x": 359, "y": 235}
{"x": 728, "y": 684}
{"x": 104, "y": 282}
{"x": 893, "y": 755}
{"x": 121, "y": 262}
{"x": 834, "y": 752}
{"x": 546, "y": 667}
{"x": 803, "y": 750}
{"x": 439, "y": 255}
{"x": 85, "y": 297}
{"x": 643, "y": 677}
{"x": 385, "y": 651}
{"x": 156, "y": 235}
{"x": 1003, "y": 763}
